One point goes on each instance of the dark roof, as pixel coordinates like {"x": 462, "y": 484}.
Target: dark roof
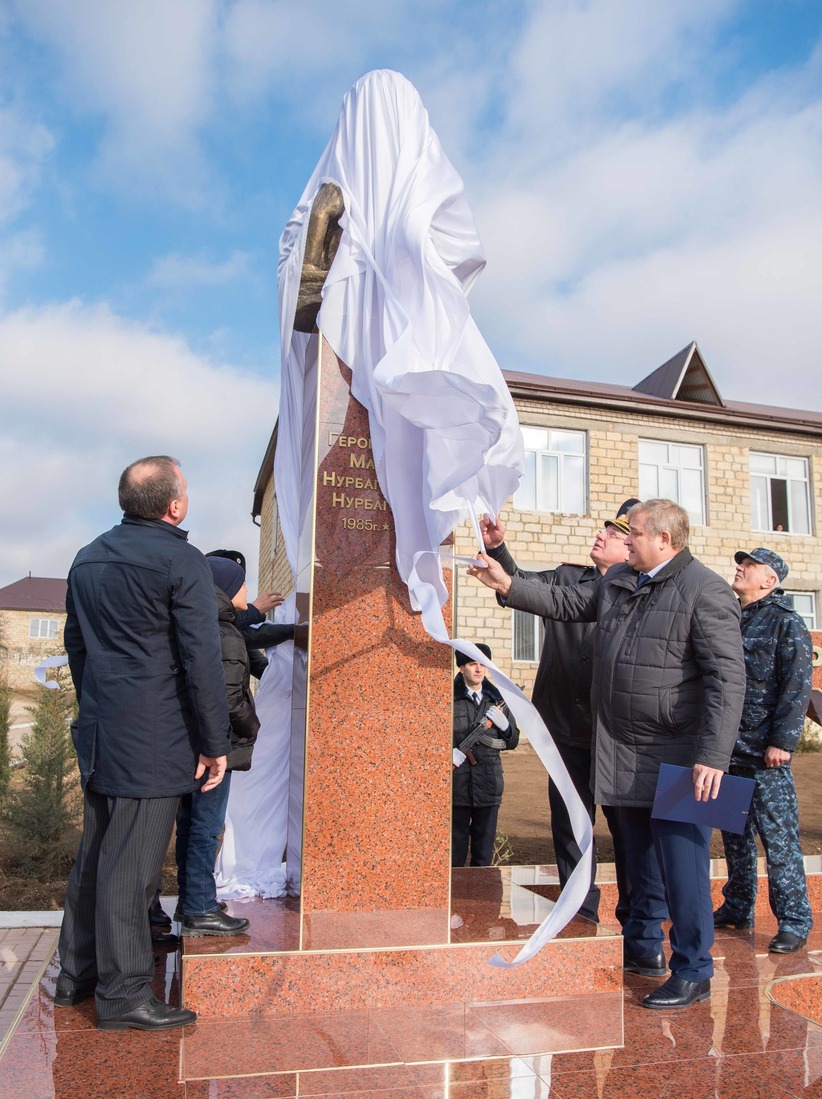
{"x": 265, "y": 474}
{"x": 34, "y": 593}
{"x": 684, "y": 377}
{"x": 605, "y": 395}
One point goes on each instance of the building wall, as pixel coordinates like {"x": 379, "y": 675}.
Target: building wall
{"x": 275, "y": 573}
{"x": 540, "y": 540}
{"x": 20, "y": 653}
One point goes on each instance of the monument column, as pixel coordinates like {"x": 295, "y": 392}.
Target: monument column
{"x": 370, "y": 814}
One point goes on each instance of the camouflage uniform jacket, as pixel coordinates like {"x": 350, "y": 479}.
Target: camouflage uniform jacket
{"x": 778, "y": 659}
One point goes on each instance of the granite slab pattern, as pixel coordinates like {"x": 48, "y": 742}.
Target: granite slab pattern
{"x": 373, "y": 704}
{"x": 492, "y": 909}
{"x": 742, "y": 1044}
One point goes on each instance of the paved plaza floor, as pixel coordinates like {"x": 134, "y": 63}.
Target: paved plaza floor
{"x": 760, "y": 1035}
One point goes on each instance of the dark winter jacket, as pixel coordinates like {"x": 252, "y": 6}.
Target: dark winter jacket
{"x": 259, "y": 634}
{"x": 244, "y": 721}
{"x": 480, "y": 784}
{"x": 562, "y": 688}
{"x": 778, "y": 665}
{"x": 144, "y": 652}
{"x": 669, "y": 678}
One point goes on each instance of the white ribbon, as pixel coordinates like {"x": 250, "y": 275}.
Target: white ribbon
{"x": 44, "y": 665}
{"x": 576, "y": 888}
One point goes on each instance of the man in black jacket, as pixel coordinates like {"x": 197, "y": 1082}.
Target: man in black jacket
{"x": 479, "y": 712}
{"x": 144, "y": 653}
{"x": 562, "y": 695}
{"x": 668, "y": 687}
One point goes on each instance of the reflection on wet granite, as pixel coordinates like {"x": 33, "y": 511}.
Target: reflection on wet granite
{"x": 492, "y": 908}
{"x": 274, "y": 924}
{"x": 741, "y": 1044}
{"x": 401, "y": 1036}
{"x": 292, "y": 984}
{"x": 802, "y": 994}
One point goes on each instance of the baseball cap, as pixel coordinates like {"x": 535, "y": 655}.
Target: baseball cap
{"x": 764, "y": 557}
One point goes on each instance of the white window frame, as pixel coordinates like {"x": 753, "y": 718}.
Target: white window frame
{"x": 52, "y": 629}
{"x": 809, "y": 616}
{"x": 536, "y": 627}
{"x": 547, "y": 443}
{"x": 671, "y": 469}
{"x": 768, "y": 523}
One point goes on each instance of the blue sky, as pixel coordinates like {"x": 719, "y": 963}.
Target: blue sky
{"x": 642, "y": 174}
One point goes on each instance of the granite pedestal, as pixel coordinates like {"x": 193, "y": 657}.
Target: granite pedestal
{"x": 379, "y": 924}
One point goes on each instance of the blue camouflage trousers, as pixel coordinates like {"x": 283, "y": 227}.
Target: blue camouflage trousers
{"x": 774, "y": 815}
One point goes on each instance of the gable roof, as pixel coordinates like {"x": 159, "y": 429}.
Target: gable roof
{"x": 621, "y": 398}
{"x": 684, "y": 377}
{"x": 34, "y": 593}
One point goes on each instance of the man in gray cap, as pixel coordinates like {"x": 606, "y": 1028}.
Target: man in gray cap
{"x": 778, "y": 659}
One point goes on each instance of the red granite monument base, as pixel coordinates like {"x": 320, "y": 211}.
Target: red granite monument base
{"x": 380, "y": 929}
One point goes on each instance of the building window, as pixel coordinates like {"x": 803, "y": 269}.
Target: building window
{"x": 554, "y": 477}
{"x": 672, "y": 471}
{"x": 780, "y": 498}
{"x": 804, "y": 603}
{"x": 44, "y": 627}
{"x": 528, "y": 632}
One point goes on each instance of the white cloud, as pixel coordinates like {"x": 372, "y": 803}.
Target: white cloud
{"x": 293, "y": 45}
{"x": 85, "y": 393}
{"x": 21, "y": 251}
{"x": 607, "y": 257}
{"x": 182, "y": 271}
{"x": 146, "y": 67}
{"x": 24, "y": 146}
{"x": 581, "y": 65}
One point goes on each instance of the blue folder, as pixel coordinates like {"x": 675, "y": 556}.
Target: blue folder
{"x": 674, "y": 800}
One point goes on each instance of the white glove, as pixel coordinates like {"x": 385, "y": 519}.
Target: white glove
{"x": 495, "y": 714}
{"x": 458, "y": 757}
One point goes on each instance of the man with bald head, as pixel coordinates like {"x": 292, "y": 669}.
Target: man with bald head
{"x": 144, "y": 652}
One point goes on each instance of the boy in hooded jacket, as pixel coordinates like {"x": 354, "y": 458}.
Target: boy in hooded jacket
{"x": 201, "y": 818}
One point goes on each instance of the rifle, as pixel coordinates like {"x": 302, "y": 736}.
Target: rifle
{"x": 477, "y": 733}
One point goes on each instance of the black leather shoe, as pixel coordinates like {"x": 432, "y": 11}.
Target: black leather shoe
{"x": 646, "y": 967}
{"x": 66, "y": 995}
{"x": 158, "y": 917}
{"x": 179, "y": 915}
{"x": 785, "y": 942}
{"x": 214, "y": 923}
{"x": 723, "y": 920}
{"x": 164, "y": 938}
{"x": 154, "y": 1015}
{"x": 677, "y": 992}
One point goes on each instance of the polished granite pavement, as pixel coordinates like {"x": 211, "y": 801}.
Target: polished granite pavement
{"x": 749, "y": 1040}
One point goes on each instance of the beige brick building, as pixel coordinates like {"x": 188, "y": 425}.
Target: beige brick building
{"x": 746, "y": 473}
{"x": 32, "y": 616}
